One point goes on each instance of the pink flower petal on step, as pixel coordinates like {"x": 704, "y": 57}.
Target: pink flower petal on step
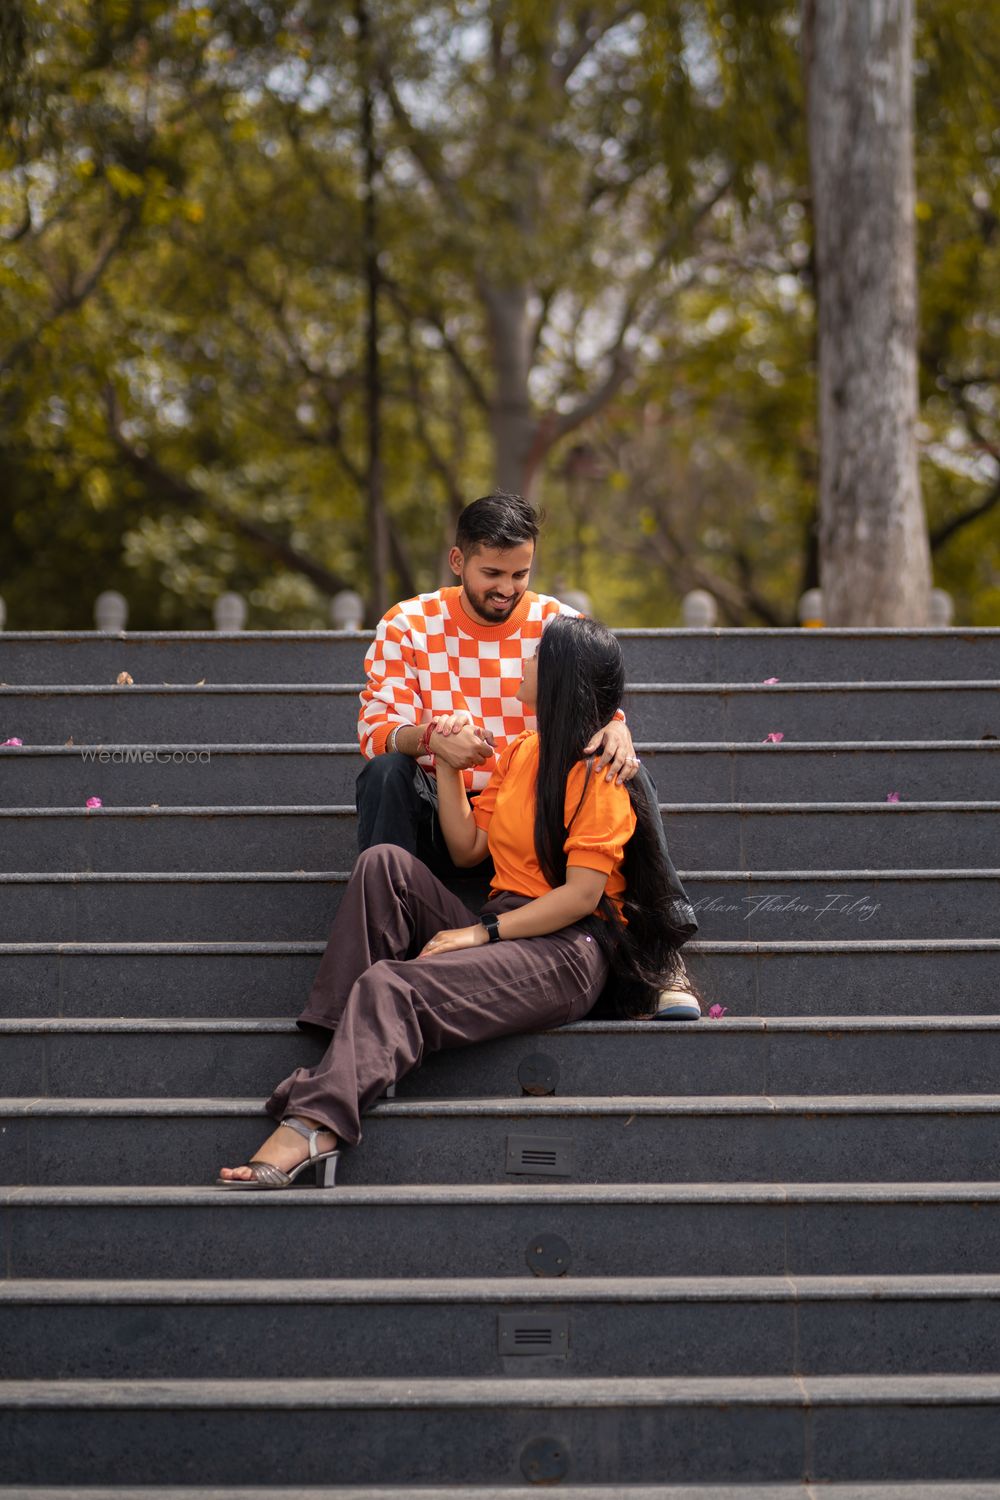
{"x": 773, "y": 738}
{"x": 769, "y": 680}
{"x": 717, "y": 1011}
{"x": 94, "y": 802}
{"x": 892, "y": 797}
{"x": 13, "y": 742}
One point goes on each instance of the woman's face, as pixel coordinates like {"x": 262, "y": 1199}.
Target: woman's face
{"x": 528, "y": 691}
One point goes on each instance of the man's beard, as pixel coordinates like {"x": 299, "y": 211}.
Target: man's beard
{"x": 491, "y": 611}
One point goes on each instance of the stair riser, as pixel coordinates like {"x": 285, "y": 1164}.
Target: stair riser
{"x": 484, "y": 1445}
{"x": 750, "y": 984}
{"x": 391, "y": 1339}
{"x": 250, "y": 1235}
{"x": 723, "y": 840}
{"x": 202, "y": 716}
{"x": 307, "y": 778}
{"x": 704, "y": 1060}
{"x": 679, "y": 656}
{"x": 48, "y": 1150}
{"x": 876, "y": 906}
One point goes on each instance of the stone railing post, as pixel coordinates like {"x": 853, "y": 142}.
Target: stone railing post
{"x": 942, "y": 608}
{"x": 229, "y": 613}
{"x": 811, "y": 609}
{"x": 347, "y": 610}
{"x": 110, "y": 611}
{"x": 698, "y": 610}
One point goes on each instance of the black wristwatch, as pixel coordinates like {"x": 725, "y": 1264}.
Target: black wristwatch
{"x": 492, "y": 924}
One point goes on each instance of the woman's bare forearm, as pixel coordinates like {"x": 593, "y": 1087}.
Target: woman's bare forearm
{"x": 455, "y": 814}
{"x": 558, "y": 908}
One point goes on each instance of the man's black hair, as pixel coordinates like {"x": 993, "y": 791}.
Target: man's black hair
{"x": 498, "y": 520}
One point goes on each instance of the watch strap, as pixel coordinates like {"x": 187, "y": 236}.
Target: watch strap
{"x": 492, "y": 924}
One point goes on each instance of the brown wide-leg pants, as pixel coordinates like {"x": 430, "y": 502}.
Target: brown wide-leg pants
{"x": 386, "y": 1007}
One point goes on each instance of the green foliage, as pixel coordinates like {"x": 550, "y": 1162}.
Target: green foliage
{"x": 182, "y": 300}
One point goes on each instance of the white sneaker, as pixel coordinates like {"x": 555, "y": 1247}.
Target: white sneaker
{"x": 677, "y": 1002}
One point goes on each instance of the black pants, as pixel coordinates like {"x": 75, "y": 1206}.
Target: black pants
{"x": 397, "y": 804}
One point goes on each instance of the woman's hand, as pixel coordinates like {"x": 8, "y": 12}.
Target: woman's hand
{"x": 454, "y": 938}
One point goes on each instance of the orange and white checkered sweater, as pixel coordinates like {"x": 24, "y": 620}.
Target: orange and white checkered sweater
{"x": 429, "y": 657}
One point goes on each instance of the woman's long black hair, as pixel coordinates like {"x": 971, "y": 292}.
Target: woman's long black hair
{"x": 581, "y": 682}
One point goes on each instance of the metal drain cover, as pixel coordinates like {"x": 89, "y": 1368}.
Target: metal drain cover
{"x": 544, "y": 1458}
{"x": 549, "y": 1255}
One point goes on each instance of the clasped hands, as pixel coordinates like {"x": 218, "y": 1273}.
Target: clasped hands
{"x": 459, "y": 740}
{"x": 461, "y": 743}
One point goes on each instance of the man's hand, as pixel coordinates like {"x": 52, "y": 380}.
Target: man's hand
{"x": 459, "y": 742}
{"x": 617, "y": 752}
{"x": 454, "y": 938}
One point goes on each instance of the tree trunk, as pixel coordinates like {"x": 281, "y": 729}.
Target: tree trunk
{"x": 378, "y": 521}
{"x": 512, "y": 421}
{"x": 874, "y": 552}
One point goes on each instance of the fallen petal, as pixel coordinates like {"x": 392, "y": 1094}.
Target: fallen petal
{"x": 768, "y": 680}
{"x": 892, "y": 797}
{"x": 773, "y": 738}
{"x": 94, "y": 802}
{"x": 124, "y": 679}
{"x": 717, "y": 1011}
{"x": 13, "y": 742}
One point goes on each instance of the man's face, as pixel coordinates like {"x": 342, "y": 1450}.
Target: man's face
{"x": 493, "y": 579}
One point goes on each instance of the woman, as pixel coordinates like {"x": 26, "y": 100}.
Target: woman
{"x": 579, "y": 906}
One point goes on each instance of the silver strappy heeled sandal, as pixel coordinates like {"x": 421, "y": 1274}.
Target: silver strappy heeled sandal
{"x": 267, "y": 1175}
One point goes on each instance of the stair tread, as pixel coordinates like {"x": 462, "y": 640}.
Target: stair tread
{"x": 280, "y": 1025}
{"x": 527, "y": 1104}
{"x": 443, "y": 1194}
{"x": 516, "y": 1290}
{"x": 694, "y": 945}
{"x": 343, "y": 809}
{"x": 220, "y": 877}
{"x": 458, "y": 1392}
{"x": 790, "y": 1490}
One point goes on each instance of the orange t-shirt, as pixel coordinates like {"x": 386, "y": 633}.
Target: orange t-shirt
{"x": 506, "y": 809}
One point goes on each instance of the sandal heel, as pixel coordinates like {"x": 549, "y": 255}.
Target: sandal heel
{"x": 326, "y": 1171}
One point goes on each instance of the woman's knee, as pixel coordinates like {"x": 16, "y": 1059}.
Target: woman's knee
{"x": 383, "y": 861}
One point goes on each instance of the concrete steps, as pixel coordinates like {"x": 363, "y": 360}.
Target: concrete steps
{"x": 767, "y": 1268}
{"x": 946, "y": 1490}
{"x": 736, "y": 836}
{"x": 603, "y": 1429}
{"x": 732, "y": 905}
{"x": 856, "y": 976}
{"x": 498, "y": 1229}
{"x": 98, "y": 713}
{"x": 699, "y": 656}
{"x": 192, "y": 774}
{"x": 684, "y": 1139}
{"x": 518, "y": 1326}
{"x": 168, "y": 1058}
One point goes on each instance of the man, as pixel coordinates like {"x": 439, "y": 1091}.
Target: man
{"x": 443, "y": 673}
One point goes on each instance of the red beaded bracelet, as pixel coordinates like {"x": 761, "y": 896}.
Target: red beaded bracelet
{"x": 425, "y": 739}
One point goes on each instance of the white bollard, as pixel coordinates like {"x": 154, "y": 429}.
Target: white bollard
{"x": 229, "y": 613}
{"x": 110, "y": 611}
{"x": 347, "y": 610}
{"x": 811, "y": 609}
{"x": 942, "y": 608}
{"x": 698, "y": 610}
